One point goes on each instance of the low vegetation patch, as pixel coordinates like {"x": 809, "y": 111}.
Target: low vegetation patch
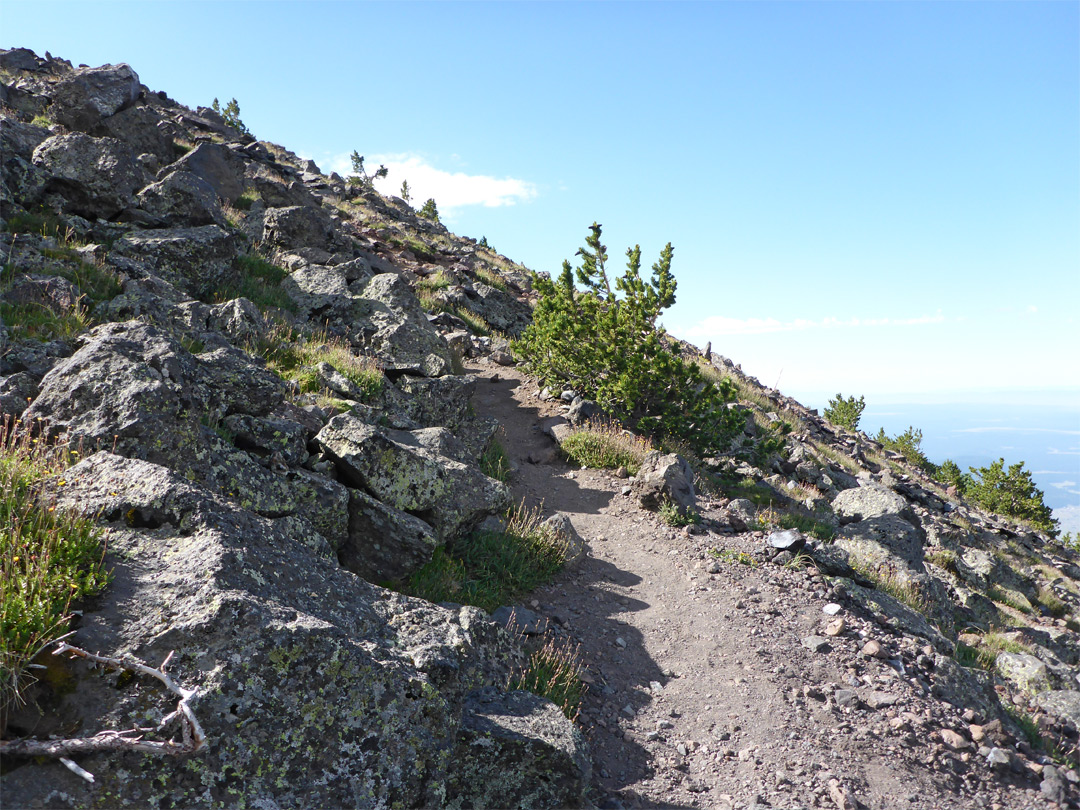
{"x": 604, "y": 445}
{"x": 675, "y": 517}
{"x": 490, "y": 569}
{"x": 730, "y": 555}
{"x": 48, "y": 558}
{"x": 554, "y": 672}
{"x": 888, "y": 581}
{"x": 259, "y": 281}
{"x": 292, "y": 356}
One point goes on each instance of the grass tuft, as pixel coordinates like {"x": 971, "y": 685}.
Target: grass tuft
{"x": 554, "y": 672}
{"x": 260, "y": 282}
{"x": 490, "y": 569}
{"x": 48, "y": 558}
{"x": 606, "y": 446}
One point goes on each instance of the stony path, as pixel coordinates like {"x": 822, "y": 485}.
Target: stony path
{"x": 702, "y": 693}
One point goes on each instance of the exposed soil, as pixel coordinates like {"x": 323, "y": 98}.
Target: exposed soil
{"x": 702, "y": 692}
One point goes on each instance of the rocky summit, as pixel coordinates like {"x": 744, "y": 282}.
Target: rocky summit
{"x": 281, "y": 393}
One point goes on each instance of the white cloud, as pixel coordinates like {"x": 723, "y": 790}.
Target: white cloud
{"x": 716, "y": 325}
{"x": 450, "y": 190}
{"x": 1064, "y": 485}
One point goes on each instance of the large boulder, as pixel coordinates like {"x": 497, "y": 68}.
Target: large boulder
{"x": 198, "y": 261}
{"x": 218, "y": 165}
{"x": 83, "y": 99}
{"x": 299, "y": 226}
{"x": 400, "y": 471}
{"x": 665, "y": 478}
{"x": 499, "y": 308}
{"x": 314, "y": 688}
{"x": 887, "y": 541}
{"x": 397, "y": 331}
{"x": 136, "y": 391}
{"x": 94, "y": 177}
{"x": 384, "y": 544}
{"x": 870, "y": 501}
{"x": 182, "y": 199}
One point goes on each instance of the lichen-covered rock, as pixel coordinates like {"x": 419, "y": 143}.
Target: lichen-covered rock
{"x": 322, "y": 294}
{"x": 218, "y": 165}
{"x": 1061, "y": 703}
{"x": 299, "y": 226}
{"x": 665, "y": 479}
{"x": 870, "y": 501}
{"x": 89, "y": 95}
{"x": 1026, "y": 671}
{"x": 400, "y": 471}
{"x": 134, "y": 390}
{"x": 384, "y": 544}
{"x": 501, "y": 309}
{"x": 182, "y": 199}
{"x": 93, "y": 177}
{"x": 885, "y": 541}
{"x": 398, "y": 332}
{"x": 516, "y": 749}
{"x": 315, "y": 688}
{"x": 198, "y": 261}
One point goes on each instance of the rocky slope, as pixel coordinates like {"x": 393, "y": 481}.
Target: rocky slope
{"x": 189, "y": 306}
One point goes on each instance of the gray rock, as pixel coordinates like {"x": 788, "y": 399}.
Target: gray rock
{"x": 818, "y": 644}
{"x": 384, "y": 544}
{"x": 95, "y": 177}
{"x": 17, "y": 391}
{"x": 885, "y": 541}
{"x": 394, "y": 467}
{"x": 397, "y": 331}
{"x": 1061, "y": 703}
{"x": 665, "y": 479}
{"x": 502, "y": 310}
{"x": 520, "y": 620}
{"x": 870, "y": 501}
{"x": 83, "y": 99}
{"x": 145, "y": 131}
{"x": 786, "y": 540}
{"x": 560, "y": 525}
{"x": 295, "y": 661}
{"x": 741, "y": 514}
{"x": 999, "y": 760}
{"x": 322, "y": 294}
{"x": 218, "y": 165}
{"x": 299, "y": 226}
{"x": 582, "y": 410}
{"x": 1026, "y": 671}
{"x": 182, "y": 199}
{"x": 518, "y": 750}
{"x": 198, "y": 261}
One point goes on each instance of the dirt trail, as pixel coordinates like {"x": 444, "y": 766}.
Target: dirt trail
{"x": 702, "y": 693}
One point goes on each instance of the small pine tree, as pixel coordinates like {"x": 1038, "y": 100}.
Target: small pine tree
{"x": 360, "y": 176}
{"x": 429, "y": 211}
{"x": 949, "y": 474}
{"x": 1011, "y": 493}
{"x": 845, "y": 412}
{"x": 231, "y": 114}
{"x": 605, "y": 342}
{"x": 405, "y": 193}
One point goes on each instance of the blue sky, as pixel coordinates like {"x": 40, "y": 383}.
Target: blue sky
{"x": 874, "y": 198}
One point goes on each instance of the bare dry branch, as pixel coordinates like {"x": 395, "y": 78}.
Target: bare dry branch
{"x": 193, "y": 737}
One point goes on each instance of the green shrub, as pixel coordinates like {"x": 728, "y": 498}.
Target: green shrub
{"x": 611, "y": 350}
{"x": 675, "y": 517}
{"x": 360, "y": 175}
{"x": 48, "y": 558}
{"x": 1011, "y": 493}
{"x": 730, "y": 555}
{"x": 950, "y": 475}
{"x": 845, "y": 412}
{"x": 291, "y": 355}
